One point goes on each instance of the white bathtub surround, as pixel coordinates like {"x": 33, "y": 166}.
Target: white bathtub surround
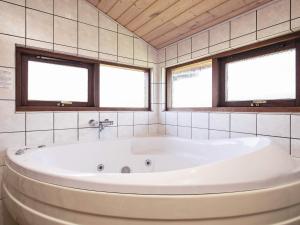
{"x": 176, "y": 185}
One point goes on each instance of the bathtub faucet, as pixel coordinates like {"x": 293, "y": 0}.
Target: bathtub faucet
{"x": 101, "y": 124}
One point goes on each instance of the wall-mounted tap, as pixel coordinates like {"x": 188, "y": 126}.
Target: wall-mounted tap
{"x": 101, "y": 124}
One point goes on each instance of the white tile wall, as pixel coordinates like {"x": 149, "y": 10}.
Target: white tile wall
{"x": 267, "y": 21}
{"x": 81, "y": 29}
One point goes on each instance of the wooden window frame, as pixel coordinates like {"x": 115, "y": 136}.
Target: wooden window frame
{"x": 24, "y": 54}
{"x": 251, "y": 54}
{"x": 146, "y": 72}
{"x": 218, "y": 77}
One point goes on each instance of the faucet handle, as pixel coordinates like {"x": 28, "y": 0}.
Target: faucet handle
{"x": 93, "y": 123}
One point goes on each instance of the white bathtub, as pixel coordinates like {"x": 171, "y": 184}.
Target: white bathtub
{"x": 161, "y": 168}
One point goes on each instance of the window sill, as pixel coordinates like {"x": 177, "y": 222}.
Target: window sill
{"x": 70, "y": 108}
{"x": 237, "y": 109}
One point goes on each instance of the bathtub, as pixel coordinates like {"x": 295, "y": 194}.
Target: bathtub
{"x": 154, "y": 180}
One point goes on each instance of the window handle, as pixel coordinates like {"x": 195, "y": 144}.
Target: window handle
{"x": 63, "y": 103}
{"x": 257, "y": 103}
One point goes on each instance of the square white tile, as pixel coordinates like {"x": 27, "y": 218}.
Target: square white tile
{"x": 185, "y": 119}
{"x": 243, "y": 122}
{"x": 171, "y": 118}
{"x": 200, "y": 119}
{"x": 125, "y": 131}
{"x": 199, "y": 134}
{"x": 39, "y": 121}
{"x": 125, "y": 118}
{"x": 64, "y": 120}
{"x": 185, "y": 132}
{"x": 273, "y": 124}
{"x": 219, "y": 121}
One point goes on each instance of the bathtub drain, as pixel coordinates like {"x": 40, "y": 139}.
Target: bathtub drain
{"x": 125, "y": 169}
{"x": 100, "y": 167}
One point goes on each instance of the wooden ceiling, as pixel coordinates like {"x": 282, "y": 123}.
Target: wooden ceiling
{"x": 162, "y": 22}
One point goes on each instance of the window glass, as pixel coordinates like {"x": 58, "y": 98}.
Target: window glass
{"x": 53, "y": 82}
{"x": 266, "y": 77}
{"x": 192, "y": 86}
{"x": 123, "y": 87}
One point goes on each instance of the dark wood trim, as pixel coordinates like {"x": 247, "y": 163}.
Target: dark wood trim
{"x": 215, "y": 82}
{"x": 23, "y": 54}
{"x": 218, "y": 77}
{"x": 238, "y": 109}
{"x": 251, "y": 54}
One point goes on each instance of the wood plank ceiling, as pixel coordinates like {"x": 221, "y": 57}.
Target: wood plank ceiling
{"x": 162, "y": 22}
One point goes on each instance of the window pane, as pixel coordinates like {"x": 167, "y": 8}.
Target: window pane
{"x": 266, "y": 77}
{"x": 123, "y": 87}
{"x": 192, "y": 86}
{"x": 52, "y": 82}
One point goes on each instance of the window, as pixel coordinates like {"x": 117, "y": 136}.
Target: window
{"x": 190, "y": 86}
{"x": 273, "y": 76}
{"x": 41, "y": 85}
{"x": 48, "y": 81}
{"x": 123, "y": 87}
{"x": 262, "y": 77}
